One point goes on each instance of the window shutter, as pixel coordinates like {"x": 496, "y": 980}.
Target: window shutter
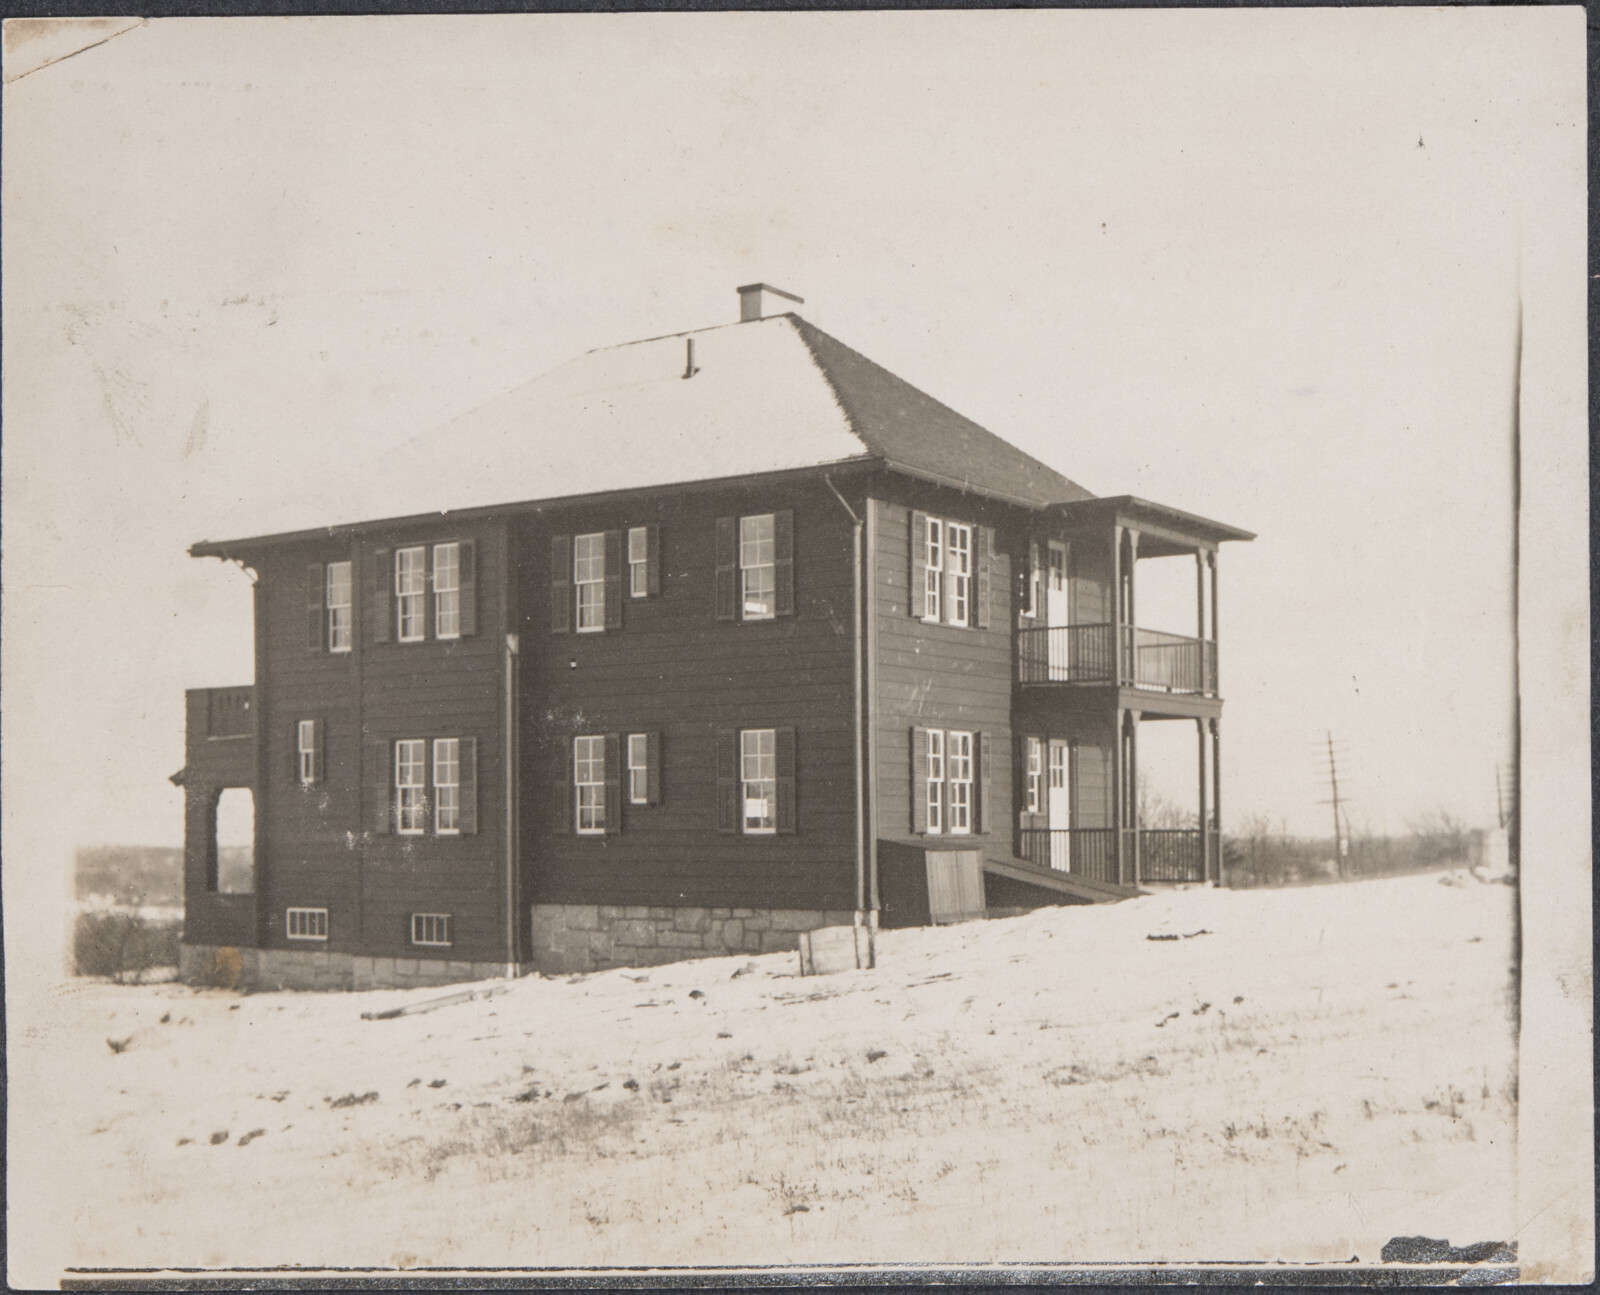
{"x": 918, "y": 601}
{"x": 613, "y": 783}
{"x": 561, "y": 786}
{"x": 652, "y": 559}
{"x": 316, "y": 593}
{"x": 380, "y": 787}
{"x": 1030, "y": 580}
{"x": 727, "y": 571}
{"x": 783, "y": 563}
{"x": 319, "y": 770}
{"x": 380, "y": 596}
{"x": 469, "y": 587}
{"x": 1019, "y": 792}
{"x": 983, "y": 564}
{"x": 727, "y": 778}
{"x": 560, "y": 584}
{"x": 613, "y": 586}
{"x": 468, "y": 793}
{"x": 294, "y": 753}
{"x": 919, "y": 780}
{"x": 652, "y": 773}
{"x": 980, "y": 782}
{"x": 784, "y": 738}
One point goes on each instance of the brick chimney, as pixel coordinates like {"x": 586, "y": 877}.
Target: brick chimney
{"x": 757, "y": 301}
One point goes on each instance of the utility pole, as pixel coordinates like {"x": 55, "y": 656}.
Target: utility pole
{"x": 1341, "y": 826}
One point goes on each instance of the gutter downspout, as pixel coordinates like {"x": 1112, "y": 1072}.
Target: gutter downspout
{"x": 510, "y": 758}
{"x": 872, "y": 720}
{"x": 861, "y": 844}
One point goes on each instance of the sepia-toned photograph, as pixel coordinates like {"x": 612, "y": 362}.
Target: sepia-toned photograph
{"x": 806, "y": 647}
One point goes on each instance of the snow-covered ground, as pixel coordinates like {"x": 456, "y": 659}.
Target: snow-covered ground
{"x": 1300, "y": 1074}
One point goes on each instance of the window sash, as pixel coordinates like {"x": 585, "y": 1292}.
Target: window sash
{"x": 933, "y": 574}
{"x": 958, "y": 571}
{"x": 960, "y": 780}
{"x": 1034, "y": 776}
{"x": 447, "y": 785}
{"x": 432, "y": 928}
{"x": 589, "y": 781}
{"x": 589, "y": 578}
{"x": 935, "y": 780}
{"x": 758, "y": 576}
{"x": 447, "y": 591}
{"x": 758, "y": 776}
{"x": 306, "y": 749}
{"x": 410, "y": 588}
{"x": 410, "y": 789}
{"x": 638, "y": 561}
{"x": 306, "y": 923}
{"x": 638, "y": 769}
{"x": 1058, "y": 765}
{"x": 341, "y": 607}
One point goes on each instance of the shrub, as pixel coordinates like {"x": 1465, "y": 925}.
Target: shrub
{"x": 123, "y": 945}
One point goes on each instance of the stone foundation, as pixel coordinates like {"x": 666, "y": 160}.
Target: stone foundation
{"x": 261, "y": 969}
{"x": 592, "y": 937}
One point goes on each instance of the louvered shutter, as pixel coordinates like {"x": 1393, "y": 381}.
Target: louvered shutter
{"x": 380, "y": 596}
{"x": 784, "y": 741}
{"x": 980, "y": 783}
{"x": 783, "y": 563}
{"x": 918, "y": 602}
{"x": 1031, "y": 581}
{"x": 613, "y": 585}
{"x": 561, "y": 788}
{"x": 560, "y": 584}
{"x": 727, "y": 780}
{"x": 468, "y": 792}
{"x": 1019, "y": 794}
{"x": 316, "y": 594}
{"x": 919, "y": 780}
{"x": 380, "y": 787}
{"x": 319, "y": 767}
{"x": 652, "y": 774}
{"x": 727, "y": 570}
{"x": 468, "y": 584}
{"x": 985, "y": 565}
{"x": 652, "y": 559}
{"x": 613, "y": 783}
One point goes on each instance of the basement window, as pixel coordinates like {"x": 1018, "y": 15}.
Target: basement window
{"x": 306, "y": 923}
{"x": 431, "y": 928}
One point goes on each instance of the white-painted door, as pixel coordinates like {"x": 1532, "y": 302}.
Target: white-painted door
{"x": 1060, "y": 801}
{"x": 1055, "y": 609}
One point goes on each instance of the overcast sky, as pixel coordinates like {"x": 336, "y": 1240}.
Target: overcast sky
{"x": 1261, "y": 266}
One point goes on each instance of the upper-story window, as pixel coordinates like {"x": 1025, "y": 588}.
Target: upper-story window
{"x": 447, "y": 591}
{"x": 589, "y": 577}
{"x": 950, "y": 571}
{"x": 755, "y": 566}
{"x": 308, "y": 752}
{"x": 638, "y": 561}
{"x": 410, "y": 593}
{"x": 340, "y": 607}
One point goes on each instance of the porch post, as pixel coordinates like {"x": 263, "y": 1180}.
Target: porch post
{"x": 1118, "y": 800}
{"x": 1205, "y": 828}
{"x": 1216, "y": 669}
{"x": 1200, "y": 594}
{"x": 1133, "y": 789}
{"x": 1116, "y": 614}
{"x": 1216, "y": 789}
{"x": 1133, "y": 613}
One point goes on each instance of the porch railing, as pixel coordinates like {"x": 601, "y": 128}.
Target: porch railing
{"x": 1165, "y": 854}
{"x": 1090, "y": 654}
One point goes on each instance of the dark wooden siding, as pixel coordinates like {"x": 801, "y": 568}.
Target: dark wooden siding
{"x": 673, "y": 668}
{"x": 943, "y": 676}
{"x": 320, "y": 849}
{"x": 1089, "y": 576}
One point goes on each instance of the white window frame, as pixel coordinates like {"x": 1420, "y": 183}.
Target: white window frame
{"x": 638, "y": 768}
{"x": 935, "y": 784}
{"x": 958, "y": 572}
{"x": 447, "y": 590}
{"x": 410, "y": 593}
{"x": 758, "y": 567}
{"x": 339, "y": 599}
{"x": 933, "y": 576}
{"x": 638, "y": 561}
{"x": 589, "y": 783}
{"x": 305, "y": 742}
{"x": 306, "y": 924}
{"x": 1058, "y": 765}
{"x": 447, "y": 786}
{"x": 1035, "y": 785}
{"x": 758, "y": 762}
{"x": 410, "y": 786}
{"x": 589, "y": 581}
{"x": 958, "y": 754}
{"x": 433, "y": 930}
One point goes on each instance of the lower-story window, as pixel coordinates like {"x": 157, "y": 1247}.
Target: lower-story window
{"x": 589, "y": 780}
{"x": 431, "y": 928}
{"x": 758, "y": 758}
{"x": 959, "y": 759}
{"x": 949, "y": 780}
{"x": 447, "y": 785}
{"x": 411, "y": 791}
{"x": 306, "y": 923}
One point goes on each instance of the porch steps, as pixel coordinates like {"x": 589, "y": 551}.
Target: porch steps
{"x": 1066, "y": 883}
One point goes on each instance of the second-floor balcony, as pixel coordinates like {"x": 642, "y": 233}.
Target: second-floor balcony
{"x": 1121, "y": 655}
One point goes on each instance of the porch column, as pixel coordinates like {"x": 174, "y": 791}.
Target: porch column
{"x": 1205, "y": 827}
{"x": 1118, "y": 800}
{"x": 1216, "y": 669}
{"x": 1116, "y": 614}
{"x": 1133, "y": 613}
{"x": 1216, "y": 789}
{"x": 1134, "y": 814}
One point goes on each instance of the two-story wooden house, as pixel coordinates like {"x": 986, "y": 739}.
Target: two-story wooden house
{"x": 683, "y": 648}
